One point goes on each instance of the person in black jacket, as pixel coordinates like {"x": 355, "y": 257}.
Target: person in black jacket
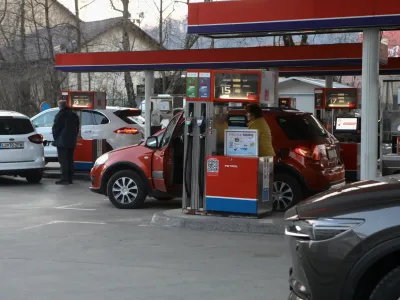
{"x": 65, "y": 132}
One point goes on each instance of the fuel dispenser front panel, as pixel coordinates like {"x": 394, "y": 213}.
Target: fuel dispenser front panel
{"x": 232, "y": 184}
{"x": 87, "y": 149}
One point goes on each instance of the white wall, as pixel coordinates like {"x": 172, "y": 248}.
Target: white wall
{"x": 303, "y": 92}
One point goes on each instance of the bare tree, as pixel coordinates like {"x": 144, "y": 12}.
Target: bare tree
{"x": 78, "y": 41}
{"x": 126, "y": 47}
{"x": 27, "y": 73}
{"x": 164, "y": 11}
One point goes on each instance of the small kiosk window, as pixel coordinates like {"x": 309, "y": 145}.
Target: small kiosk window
{"x": 164, "y": 105}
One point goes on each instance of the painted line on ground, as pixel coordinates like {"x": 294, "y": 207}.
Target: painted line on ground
{"x": 63, "y": 222}
{"x": 73, "y": 208}
{"x": 36, "y": 226}
{"x": 70, "y": 205}
{"x": 80, "y": 222}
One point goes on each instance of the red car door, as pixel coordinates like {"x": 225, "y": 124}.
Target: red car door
{"x": 162, "y": 157}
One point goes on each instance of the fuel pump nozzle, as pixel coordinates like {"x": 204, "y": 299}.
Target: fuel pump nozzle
{"x": 201, "y": 124}
{"x": 189, "y": 124}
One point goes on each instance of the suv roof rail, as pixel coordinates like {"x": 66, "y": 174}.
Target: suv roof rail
{"x": 273, "y": 108}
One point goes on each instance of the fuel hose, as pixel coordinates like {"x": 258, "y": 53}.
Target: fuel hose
{"x": 188, "y": 165}
{"x": 201, "y": 167}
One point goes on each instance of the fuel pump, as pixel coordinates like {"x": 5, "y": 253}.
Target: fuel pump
{"x": 337, "y": 109}
{"x": 209, "y": 96}
{"x": 287, "y": 103}
{"x": 88, "y": 149}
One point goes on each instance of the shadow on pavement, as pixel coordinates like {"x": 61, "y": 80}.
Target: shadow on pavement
{"x": 11, "y": 181}
{"x": 172, "y": 204}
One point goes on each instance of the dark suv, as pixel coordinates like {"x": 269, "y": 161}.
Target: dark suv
{"x": 345, "y": 243}
{"x": 307, "y": 161}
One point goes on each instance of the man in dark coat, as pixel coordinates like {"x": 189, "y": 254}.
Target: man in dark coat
{"x": 65, "y": 133}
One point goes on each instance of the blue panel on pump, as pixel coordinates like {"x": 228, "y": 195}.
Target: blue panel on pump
{"x": 232, "y": 205}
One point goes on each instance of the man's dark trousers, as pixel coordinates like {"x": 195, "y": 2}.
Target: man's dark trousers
{"x": 66, "y": 160}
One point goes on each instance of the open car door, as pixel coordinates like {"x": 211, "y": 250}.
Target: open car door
{"x": 163, "y": 157}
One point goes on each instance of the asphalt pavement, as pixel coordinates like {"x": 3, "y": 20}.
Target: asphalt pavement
{"x": 64, "y": 242}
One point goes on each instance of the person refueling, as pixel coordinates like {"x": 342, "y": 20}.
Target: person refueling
{"x": 256, "y": 120}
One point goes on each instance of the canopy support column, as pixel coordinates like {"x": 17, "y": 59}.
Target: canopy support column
{"x": 148, "y": 92}
{"x": 369, "y": 104}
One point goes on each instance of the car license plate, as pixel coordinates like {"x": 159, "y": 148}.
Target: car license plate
{"x": 12, "y": 145}
{"x": 332, "y": 154}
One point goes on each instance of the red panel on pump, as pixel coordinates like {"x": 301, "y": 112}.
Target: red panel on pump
{"x": 233, "y": 177}
{"x": 349, "y": 153}
{"x": 232, "y": 184}
{"x": 84, "y": 151}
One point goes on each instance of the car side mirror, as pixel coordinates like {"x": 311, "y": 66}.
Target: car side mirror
{"x": 152, "y": 142}
{"x": 45, "y": 142}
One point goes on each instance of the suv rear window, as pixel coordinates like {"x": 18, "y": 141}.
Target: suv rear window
{"x": 12, "y": 126}
{"x": 127, "y": 114}
{"x": 301, "y": 127}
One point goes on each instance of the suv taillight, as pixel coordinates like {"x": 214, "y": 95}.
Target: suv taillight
{"x": 126, "y": 130}
{"x": 36, "y": 139}
{"x": 314, "y": 152}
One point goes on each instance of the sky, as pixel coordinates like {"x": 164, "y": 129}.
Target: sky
{"x": 102, "y": 9}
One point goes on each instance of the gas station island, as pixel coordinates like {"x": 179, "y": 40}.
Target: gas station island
{"x": 229, "y": 176}
{"x": 236, "y": 179}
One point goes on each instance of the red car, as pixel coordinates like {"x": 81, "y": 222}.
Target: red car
{"x": 307, "y": 162}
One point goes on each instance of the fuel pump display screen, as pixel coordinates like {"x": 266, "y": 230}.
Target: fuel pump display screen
{"x": 346, "y": 124}
{"x": 341, "y": 98}
{"x": 81, "y": 100}
{"x": 236, "y": 86}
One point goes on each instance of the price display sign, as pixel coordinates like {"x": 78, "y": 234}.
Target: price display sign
{"x": 236, "y": 86}
{"x": 84, "y": 100}
{"x": 341, "y": 98}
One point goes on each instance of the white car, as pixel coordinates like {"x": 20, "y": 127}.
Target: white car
{"x": 114, "y": 124}
{"x": 21, "y": 147}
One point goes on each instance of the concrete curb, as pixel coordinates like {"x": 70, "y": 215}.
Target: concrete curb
{"x": 273, "y": 224}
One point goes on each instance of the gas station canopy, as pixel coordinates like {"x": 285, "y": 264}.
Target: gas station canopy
{"x": 268, "y": 17}
{"x": 392, "y": 68}
{"x": 311, "y": 56}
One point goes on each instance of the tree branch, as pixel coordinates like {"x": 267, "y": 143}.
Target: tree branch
{"x": 114, "y": 8}
{"x": 4, "y": 12}
{"x": 86, "y": 5}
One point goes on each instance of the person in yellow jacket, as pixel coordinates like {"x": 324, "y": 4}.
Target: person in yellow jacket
{"x": 256, "y": 120}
